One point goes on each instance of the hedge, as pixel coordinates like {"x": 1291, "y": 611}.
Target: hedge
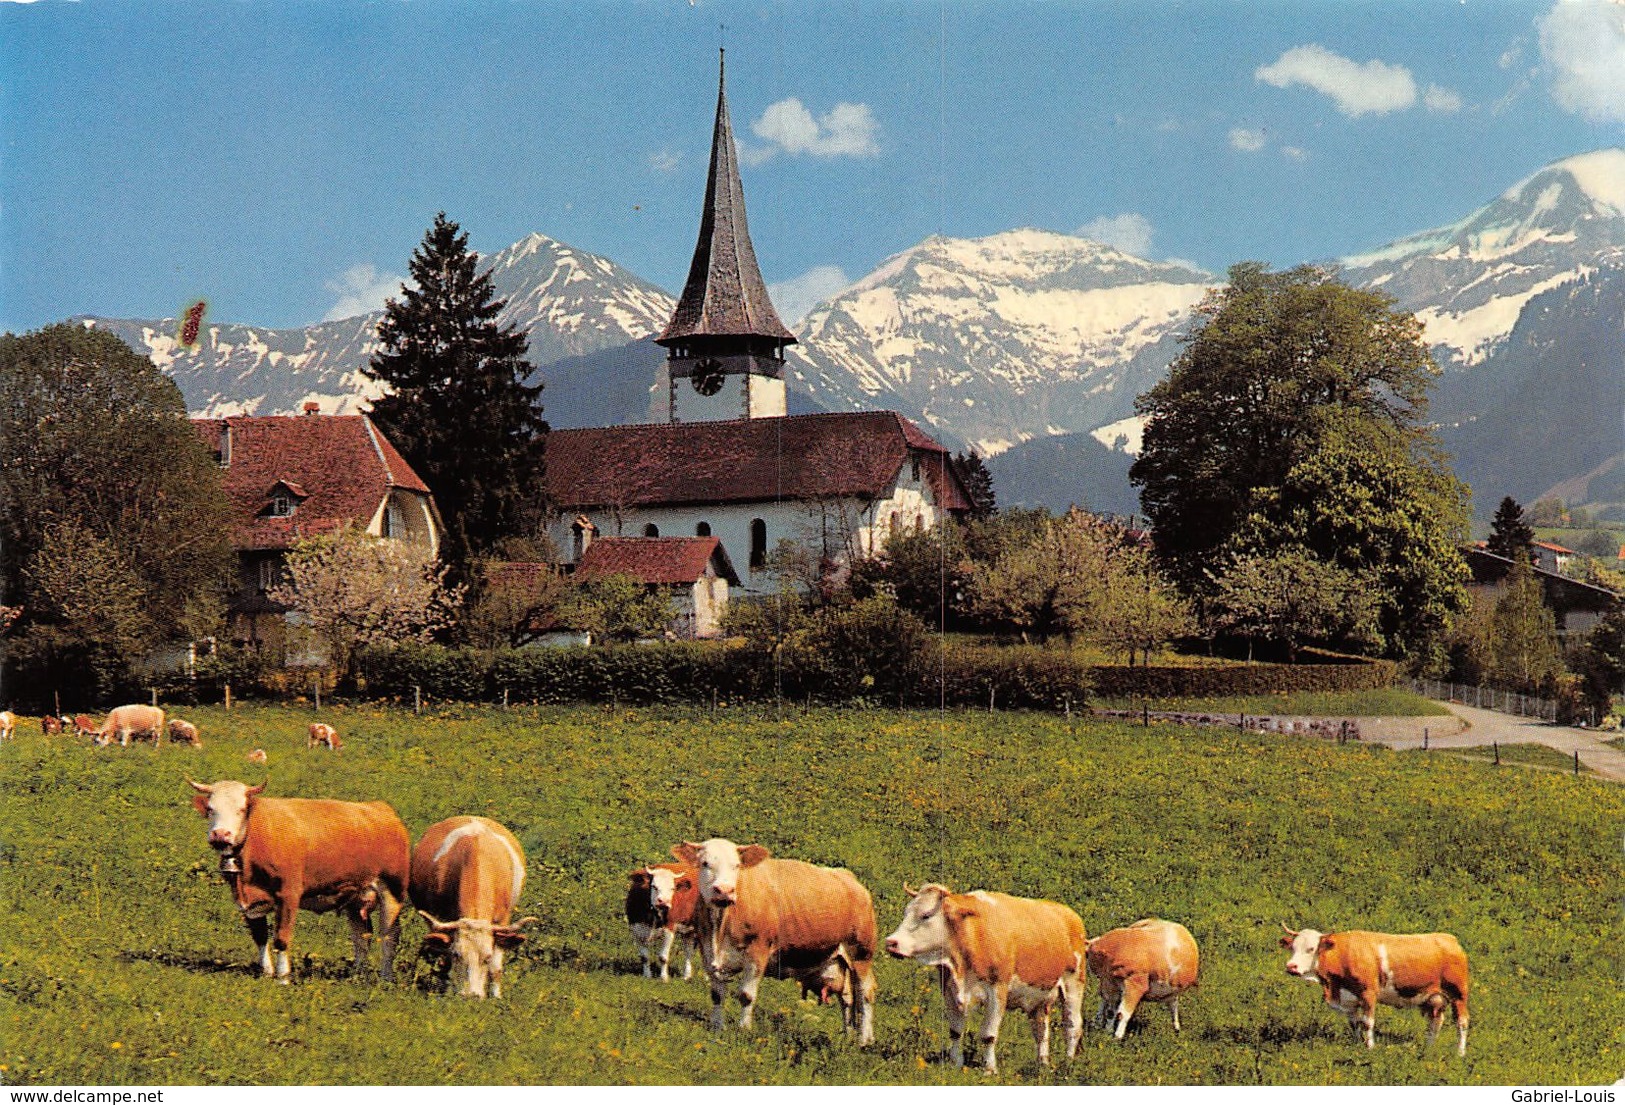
{"x": 1014, "y": 677}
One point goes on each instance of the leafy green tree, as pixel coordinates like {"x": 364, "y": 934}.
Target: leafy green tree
{"x": 100, "y": 468}
{"x": 1291, "y": 598}
{"x": 1286, "y": 380}
{"x": 926, "y": 573}
{"x": 1547, "y": 512}
{"x": 1524, "y": 634}
{"x": 978, "y": 483}
{"x": 618, "y": 608}
{"x": 352, "y": 590}
{"x": 459, "y": 408}
{"x": 1510, "y": 535}
{"x": 510, "y": 601}
{"x": 1051, "y": 586}
{"x": 1138, "y": 611}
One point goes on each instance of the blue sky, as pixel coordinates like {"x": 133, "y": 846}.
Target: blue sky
{"x": 282, "y": 160}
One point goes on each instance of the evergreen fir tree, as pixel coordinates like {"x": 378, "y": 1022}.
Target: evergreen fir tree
{"x": 460, "y": 409}
{"x": 1510, "y": 535}
{"x": 978, "y": 483}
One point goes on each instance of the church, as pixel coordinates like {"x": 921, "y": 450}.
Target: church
{"x": 727, "y": 461}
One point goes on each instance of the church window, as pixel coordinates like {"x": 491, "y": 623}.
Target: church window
{"x": 914, "y": 468}
{"x": 758, "y": 543}
{"x": 651, "y": 530}
{"x": 702, "y": 529}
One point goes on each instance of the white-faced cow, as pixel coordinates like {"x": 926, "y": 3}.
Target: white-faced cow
{"x": 1001, "y": 950}
{"x": 1150, "y": 960}
{"x": 661, "y": 900}
{"x": 323, "y": 733}
{"x": 124, "y": 722}
{"x": 184, "y": 732}
{"x": 764, "y": 917}
{"x": 281, "y": 855}
{"x": 467, "y": 875}
{"x": 1358, "y": 970}
{"x": 8, "y": 724}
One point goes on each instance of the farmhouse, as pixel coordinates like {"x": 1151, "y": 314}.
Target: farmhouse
{"x": 727, "y": 462}
{"x": 1577, "y": 606}
{"x": 293, "y": 476}
{"x": 693, "y": 571}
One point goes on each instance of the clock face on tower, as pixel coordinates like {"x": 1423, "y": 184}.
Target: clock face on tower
{"x": 707, "y": 378}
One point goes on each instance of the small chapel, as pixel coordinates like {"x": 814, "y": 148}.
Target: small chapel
{"x": 727, "y": 461}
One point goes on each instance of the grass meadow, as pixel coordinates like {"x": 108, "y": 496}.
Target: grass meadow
{"x": 123, "y": 961}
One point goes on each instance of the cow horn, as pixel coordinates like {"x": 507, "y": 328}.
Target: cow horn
{"x": 436, "y": 924}
{"x": 909, "y": 890}
{"x": 528, "y": 919}
{"x": 252, "y": 791}
{"x": 201, "y": 788}
{"x": 1289, "y": 932}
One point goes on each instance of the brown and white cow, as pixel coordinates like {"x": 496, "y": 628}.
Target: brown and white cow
{"x": 281, "y": 855}
{"x": 661, "y": 900}
{"x": 184, "y": 732}
{"x": 764, "y": 917}
{"x": 1000, "y": 950}
{"x": 257, "y": 756}
{"x": 323, "y": 733}
{"x": 1358, "y": 970}
{"x": 8, "y": 724}
{"x": 84, "y": 727}
{"x": 124, "y": 722}
{"x": 1150, "y": 960}
{"x": 50, "y": 724}
{"x": 467, "y": 875}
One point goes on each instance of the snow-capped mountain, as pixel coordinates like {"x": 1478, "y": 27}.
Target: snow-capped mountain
{"x": 997, "y": 340}
{"x": 573, "y": 304}
{"x": 1468, "y": 282}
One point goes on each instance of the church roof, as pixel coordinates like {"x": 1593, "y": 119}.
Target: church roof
{"x": 809, "y": 456}
{"x": 669, "y": 560}
{"x": 725, "y": 294}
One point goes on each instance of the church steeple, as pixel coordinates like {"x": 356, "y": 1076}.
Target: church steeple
{"x": 725, "y": 330}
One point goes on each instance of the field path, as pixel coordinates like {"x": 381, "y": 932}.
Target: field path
{"x": 1473, "y": 727}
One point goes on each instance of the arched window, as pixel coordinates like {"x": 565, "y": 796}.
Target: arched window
{"x": 651, "y": 530}
{"x": 702, "y": 529}
{"x": 758, "y": 543}
{"x": 578, "y": 540}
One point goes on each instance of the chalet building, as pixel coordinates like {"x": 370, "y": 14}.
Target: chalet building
{"x": 1577, "y": 606}
{"x": 723, "y": 460}
{"x": 693, "y": 571}
{"x": 293, "y": 476}
{"x": 1552, "y": 557}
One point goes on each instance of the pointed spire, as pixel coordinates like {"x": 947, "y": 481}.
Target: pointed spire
{"x": 725, "y": 294}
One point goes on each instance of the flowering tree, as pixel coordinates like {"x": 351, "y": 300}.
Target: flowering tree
{"x": 352, "y": 590}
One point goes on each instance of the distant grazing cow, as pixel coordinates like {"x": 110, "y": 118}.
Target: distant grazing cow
{"x": 50, "y": 724}
{"x": 8, "y": 724}
{"x": 84, "y": 727}
{"x": 257, "y": 756}
{"x": 1357, "y": 970}
{"x": 1001, "y": 950}
{"x": 125, "y": 722}
{"x": 1150, "y": 960}
{"x": 184, "y": 732}
{"x": 467, "y": 875}
{"x": 322, "y": 733}
{"x": 281, "y": 855}
{"x": 660, "y": 905}
{"x": 759, "y": 916}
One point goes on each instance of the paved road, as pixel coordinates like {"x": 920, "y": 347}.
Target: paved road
{"x": 1472, "y": 727}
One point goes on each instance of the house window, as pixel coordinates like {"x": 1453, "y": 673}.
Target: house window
{"x": 578, "y": 540}
{"x": 651, "y": 530}
{"x": 758, "y": 543}
{"x": 702, "y": 529}
{"x": 394, "y": 520}
{"x": 281, "y": 505}
{"x": 914, "y": 468}
{"x": 268, "y": 574}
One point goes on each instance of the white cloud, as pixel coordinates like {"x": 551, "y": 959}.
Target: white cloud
{"x": 664, "y": 161}
{"x": 1374, "y": 88}
{"x": 1129, "y": 232}
{"x": 795, "y": 297}
{"x": 1248, "y": 141}
{"x": 846, "y": 130}
{"x": 1584, "y": 41}
{"x": 361, "y": 289}
{"x": 1445, "y": 101}
{"x": 1295, "y": 153}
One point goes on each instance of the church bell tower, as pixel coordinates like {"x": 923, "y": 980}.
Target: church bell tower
{"x": 725, "y": 343}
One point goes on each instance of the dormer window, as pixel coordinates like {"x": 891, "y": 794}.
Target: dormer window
{"x": 283, "y": 500}
{"x": 282, "y": 505}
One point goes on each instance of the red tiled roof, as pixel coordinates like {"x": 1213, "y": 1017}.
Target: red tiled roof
{"x": 810, "y": 456}
{"x": 654, "y": 559}
{"x": 1551, "y": 547}
{"x": 341, "y": 464}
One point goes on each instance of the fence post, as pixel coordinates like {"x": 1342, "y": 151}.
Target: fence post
{"x": 992, "y": 693}
{"x": 417, "y": 699}
{"x": 154, "y": 691}
{"x": 1497, "y": 746}
{"x": 1145, "y": 715}
{"x": 316, "y": 686}
{"x": 1576, "y": 763}
{"x": 228, "y": 696}
{"x": 504, "y": 698}
{"x": 1424, "y": 738}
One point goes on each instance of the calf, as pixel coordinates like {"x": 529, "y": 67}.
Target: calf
{"x": 322, "y": 733}
{"x": 471, "y": 871}
{"x": 660, "y": 904}
{"x": 1150, "y": 960}
{"x": 8, "y": 724}
{"x": 84, "y": 727}
{"x": 124, "y": 722}
{"x": 281, "y": 855}
{"x": 257, "y": 756}
{"x": 1001, "y": 950}
{"x": 759, "y": 916}
{"x": 50, "y": 724}
{"x": 1358, "y": 970}
{"x": 184, "y": 732}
